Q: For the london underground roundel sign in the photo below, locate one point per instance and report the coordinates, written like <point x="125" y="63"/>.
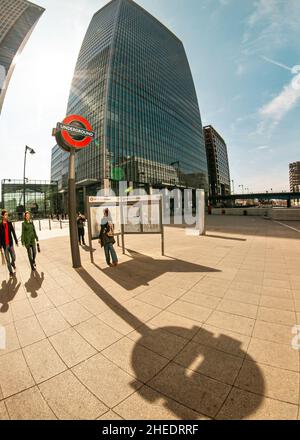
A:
<point x="74" y="132"/>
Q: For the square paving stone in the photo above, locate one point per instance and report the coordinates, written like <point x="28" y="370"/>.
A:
<point x="157" y="299"/>
<point x="148" y="404"/>
<point x="245" y="287"/>
<point x="108" y="382"/>
<point x="93" y="304"/>
<point x="41" y="303"/>
<point x="69" y="399"/>
<point x="198" y="298"/>
<point x="120" y="320"/>
<point x="141" y="310"/>
<point x="169" y="289"/>
<point x="191" y="389"/>
<point x="71" y="347"/>
<point x="277" y="303"/>
<point x="98" y="334"/>
<point x="14" y="374"/>
<point x="277" y="292"/>
<point x="274" y="354"/>
<point x="224" y="340"/>
<point x="59" y="297"/>
<point x="176" y="324"/>
<point x="242" y="297"/>
<point x="29" y="331"/>
<point x="277" y="316"/>
<point x="272" y="382"/>
<point x="238" y="308"/>
<point x="190" y="311"/>
<point x="43" y="360"/>
<point x="238" y="324"/>
<point x="135" y="359"/>
<point x="163" y="341"/>
<point x="29" y="405"/>
<point x="244" y="405"/>
<point x="21" y="309"/>
<point x="210" y="362"/>
<point x="52" y="322"/>
<point x="74" y="313"/>
<point x="270" y="331"/>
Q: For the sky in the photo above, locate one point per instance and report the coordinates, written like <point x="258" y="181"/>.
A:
<point x="245" y="60"/>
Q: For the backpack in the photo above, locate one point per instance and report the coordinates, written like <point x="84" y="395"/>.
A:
<point x="110" y="229"/>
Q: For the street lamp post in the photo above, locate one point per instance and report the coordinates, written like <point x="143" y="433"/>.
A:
<point x="31" y="151"/>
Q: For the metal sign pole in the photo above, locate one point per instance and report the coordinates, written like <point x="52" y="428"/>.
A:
<point x="66" y="135"/>
<point x="72" y="213"/>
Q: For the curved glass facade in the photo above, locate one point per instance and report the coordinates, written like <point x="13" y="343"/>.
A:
<point x="17" y="20"/>
<point x="133" y="83"/>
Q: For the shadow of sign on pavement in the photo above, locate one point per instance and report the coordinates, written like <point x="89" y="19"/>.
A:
<point x="197" y="371"/>
<point x="141" y="269"/>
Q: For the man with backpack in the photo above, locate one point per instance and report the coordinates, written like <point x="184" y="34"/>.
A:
<point x="106" y="238"/>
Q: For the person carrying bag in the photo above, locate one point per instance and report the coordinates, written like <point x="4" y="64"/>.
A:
<point x="106" y="239"/>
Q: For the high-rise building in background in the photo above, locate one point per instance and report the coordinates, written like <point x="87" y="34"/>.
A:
<point x="217" y="161"/>
<point x="295" y="176"/>
<point x="133" y="83"/>
<point x="17" y="21"/>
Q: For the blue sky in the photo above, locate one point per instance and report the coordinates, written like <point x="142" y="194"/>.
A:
<point x="245" y="60"/>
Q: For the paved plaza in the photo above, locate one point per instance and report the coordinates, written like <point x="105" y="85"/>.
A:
<point x="202" y="333"/>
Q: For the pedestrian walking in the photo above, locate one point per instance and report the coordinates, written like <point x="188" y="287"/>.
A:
<point x="80" y="228"/>
<point x="29" y="239"/>
<point x="7" y="235"/>
<point x="106" y="238"/>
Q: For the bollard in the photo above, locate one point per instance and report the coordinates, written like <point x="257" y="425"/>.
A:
<point x="60" y="224"/>
<point x="40" y="226"/>
<point x="49" y="224"/>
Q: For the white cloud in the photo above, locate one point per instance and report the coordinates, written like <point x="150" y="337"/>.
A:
<point x="286" y="100"/>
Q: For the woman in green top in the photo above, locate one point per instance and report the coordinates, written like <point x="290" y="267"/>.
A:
<point x="29" y="239"/>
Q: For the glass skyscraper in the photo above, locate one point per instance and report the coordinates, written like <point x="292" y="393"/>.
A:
<point x="17" y="21"/>
<point x="217" y="162"/>
<point x="133" y="83"/>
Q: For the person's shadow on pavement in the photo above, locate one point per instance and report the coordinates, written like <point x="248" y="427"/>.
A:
<point x="7" y="293"/>
<point x="34" y="283"/>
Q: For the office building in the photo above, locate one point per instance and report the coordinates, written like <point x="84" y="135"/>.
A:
<point x="217" y="162"/>
<point x="133" y="83"/>
<point x="17" y="21"/>
<point x="295" y="176"/>
<point x="41" y="197"/>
